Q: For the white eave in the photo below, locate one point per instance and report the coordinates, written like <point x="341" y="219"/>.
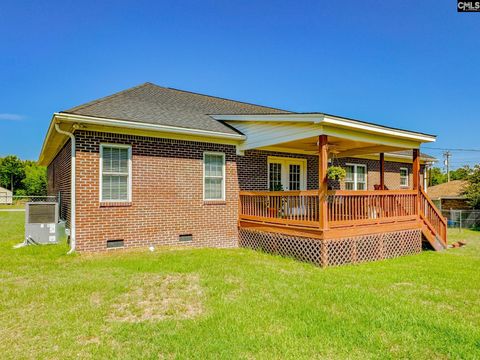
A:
<point x="335" y="121"/>
<point x="82" y="119"/>
<point x="79" y="120"/>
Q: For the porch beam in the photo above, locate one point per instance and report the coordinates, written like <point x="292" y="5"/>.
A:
<point x="382" y="171"/>
<point x="367" y="150"/>
<point x="323" y="180"/>
<point x="416" y="169"/>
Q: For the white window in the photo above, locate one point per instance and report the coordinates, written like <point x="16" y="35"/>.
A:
<point x="356" y="177"/>
<point x="115" y="172"/>
<point x="286" y="173"/>
<point x="213" y="176"/>
<point x="403" y="177"/>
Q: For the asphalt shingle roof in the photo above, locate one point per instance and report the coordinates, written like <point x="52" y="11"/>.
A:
<point x="153" y="104"/>
<point x="452" y="188"/>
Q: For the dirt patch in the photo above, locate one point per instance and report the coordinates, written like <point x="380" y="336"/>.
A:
<point x="88" y="340"/>
<point x="236" y="285"/>
<point x="160" y="297"/>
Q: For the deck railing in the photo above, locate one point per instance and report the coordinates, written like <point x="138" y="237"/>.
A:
<point x="302" y="208"/>
<point x="433" y="216"/>
<point x="358" y="207"/>
<point x="281" y="207"/>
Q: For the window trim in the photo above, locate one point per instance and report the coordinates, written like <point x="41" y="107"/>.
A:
<point x="284" y="175"/>
<point x="224" y="180"/>
<point x="355" y="182"/>
<point x="129" y="182"/>
<point x="408" y="177"/>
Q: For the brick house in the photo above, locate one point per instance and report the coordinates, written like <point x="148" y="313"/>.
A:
<point x="449" y="195"/>
<point x="159" y="166"/>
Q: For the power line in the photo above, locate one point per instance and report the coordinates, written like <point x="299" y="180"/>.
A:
<point x="446" y="149"/>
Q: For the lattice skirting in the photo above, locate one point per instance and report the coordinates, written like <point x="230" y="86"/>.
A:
<point x="333" y="252"/>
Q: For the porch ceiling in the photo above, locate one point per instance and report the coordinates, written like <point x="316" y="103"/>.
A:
<point x="340" y="147"/>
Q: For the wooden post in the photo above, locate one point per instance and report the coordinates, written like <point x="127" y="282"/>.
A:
<point x="382" y="171"/>
<point x="416" y="169"/>
<point x="322" y="180"/>
<point x="416" y="176"/>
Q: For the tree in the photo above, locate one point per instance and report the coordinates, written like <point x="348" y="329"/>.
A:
<point x="12" y="169"/>
<point x="436" y="176"/>
<point x="35" y="182"/>
<point x="472" y="191"/>
<point x="461" y="173"/>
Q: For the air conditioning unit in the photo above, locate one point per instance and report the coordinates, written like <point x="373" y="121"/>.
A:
<point x="41" y="223"/>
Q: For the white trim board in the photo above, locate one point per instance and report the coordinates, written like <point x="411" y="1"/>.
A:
<point x="224" y="174"/>
<point x="130" y="172"/>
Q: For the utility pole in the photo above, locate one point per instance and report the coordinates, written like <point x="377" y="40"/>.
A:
<point x="447" y="155"/>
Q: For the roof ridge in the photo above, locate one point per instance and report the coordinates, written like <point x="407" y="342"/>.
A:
<point x="108" y="97"/>
<point x="222" y="98"/>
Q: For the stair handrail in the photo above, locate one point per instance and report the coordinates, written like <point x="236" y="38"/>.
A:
<point x="442" y="231"/>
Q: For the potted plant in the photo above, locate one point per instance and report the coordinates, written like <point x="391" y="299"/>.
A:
<point x="336" y="173"/>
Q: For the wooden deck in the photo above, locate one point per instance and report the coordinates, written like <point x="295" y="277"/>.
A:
<point x="348" y="213"/>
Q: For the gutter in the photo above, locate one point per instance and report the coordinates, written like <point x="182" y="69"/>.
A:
<point x="145" y="126"/>
<point x="72" y="188"/>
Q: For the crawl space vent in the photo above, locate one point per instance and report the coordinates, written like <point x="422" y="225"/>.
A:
<point x="114" y="244"/>
<point x="185" y="237"/>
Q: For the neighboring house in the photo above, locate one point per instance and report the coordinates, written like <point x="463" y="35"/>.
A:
<point x="159" y="166"/>
<point x="449" y="195"/>
<point x="5" y="196"/>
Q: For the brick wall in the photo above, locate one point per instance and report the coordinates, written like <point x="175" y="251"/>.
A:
<point x="455" y="204"/>
<point x="253" y="171"/>
<point x="59" y="176"/>
<point x="167" y="191"/>
<point x="167" y="195"/>
<point x="392" y="173"/>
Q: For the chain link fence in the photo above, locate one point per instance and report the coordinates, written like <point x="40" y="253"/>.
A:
<point x="462" y="219"/>
<point x="9" y="202"/>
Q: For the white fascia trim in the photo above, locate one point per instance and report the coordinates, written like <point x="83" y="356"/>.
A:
<point x="330" y="120"/>
<point x="308" y="118"/>
<point x="153" y="127"/>
<point x="401" y="156"/>
<point x="327" y="120"/>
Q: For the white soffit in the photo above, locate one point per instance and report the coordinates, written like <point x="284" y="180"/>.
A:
<point x="334" y="121"/>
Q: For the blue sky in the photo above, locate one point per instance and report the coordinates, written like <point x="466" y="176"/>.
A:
<point x="409" y="64"/>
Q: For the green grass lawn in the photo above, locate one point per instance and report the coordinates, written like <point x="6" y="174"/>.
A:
<point x="234" y="304"/>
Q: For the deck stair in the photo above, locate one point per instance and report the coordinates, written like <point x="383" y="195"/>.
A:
<point x="434" y="225"/>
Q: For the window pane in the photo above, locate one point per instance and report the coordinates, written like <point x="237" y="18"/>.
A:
<point x="214" y="177"/>
<point x="361" y="174"/>
<point x="107" y="159"/>
<point x="213" y="165"/>
<point x="294" y="177"/>
<point x="213" y="189"/>
<point x="115" y="160"/>
<point x="115" y="187"/>
<point x="275" y="181"/>
<point x="350" y="169"/>
<point x="349" y="185"/>
<point x="123" y="161"/>
<point x="360" y="186"/>
<point x="403" y="177"/>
